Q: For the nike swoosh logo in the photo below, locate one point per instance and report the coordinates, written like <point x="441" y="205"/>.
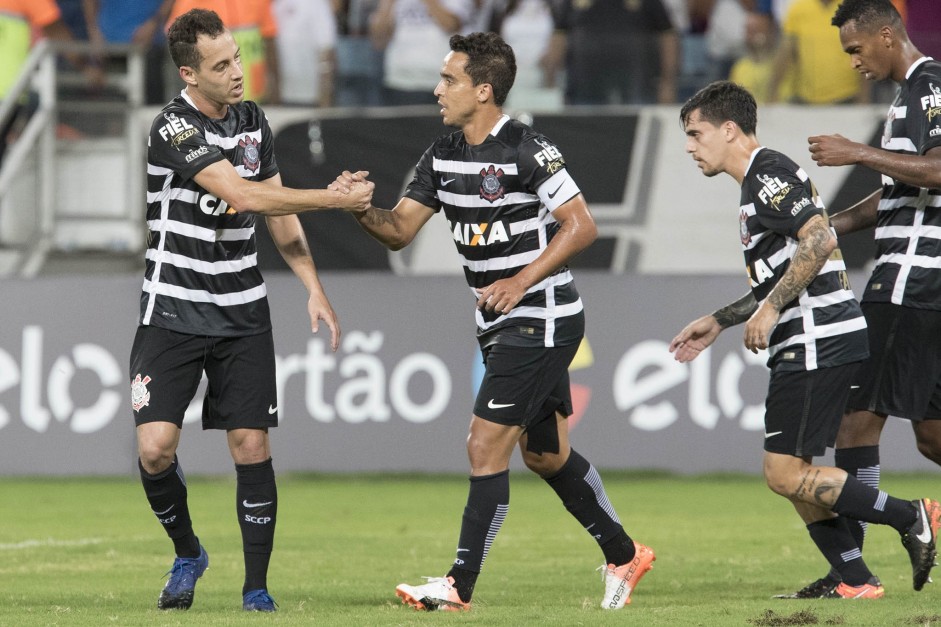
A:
<point x="163" y="512"/>
<point x="445" y="182"/>
<point x="249" y="505"/>
<point x="459" y="550"/>
<point x="772" y="434"/>
<point x="552" y="194"/>
<point x="493" y="405"/>
<point x="854" y="387"/>
<point x="925" y="536"/>
<point x="272" y="409"/>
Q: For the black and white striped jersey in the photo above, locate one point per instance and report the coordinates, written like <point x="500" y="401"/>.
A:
<point x="202" y="276"/>
<point x="908" y="228"/>
<point x="824" y="326"/>
<point x="498" y="198"/>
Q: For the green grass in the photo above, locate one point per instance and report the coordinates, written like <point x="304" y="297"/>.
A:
<point x="89" y="552"/>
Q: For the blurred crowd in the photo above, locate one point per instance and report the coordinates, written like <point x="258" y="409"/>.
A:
<point x="569" y="52"/>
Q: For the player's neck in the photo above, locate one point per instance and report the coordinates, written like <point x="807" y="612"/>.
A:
<point x="478" y="128"/>
<point x="907" y="57"/>
<point x="739" y="160"/>
<point x="209" y="108"/>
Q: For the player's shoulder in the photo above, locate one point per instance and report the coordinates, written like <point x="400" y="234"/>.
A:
<point x="925" y="79"/>
<point x="768" y="161"/>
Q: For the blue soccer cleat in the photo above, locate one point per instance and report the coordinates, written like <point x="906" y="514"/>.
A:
<point x="258" y="601"/>
<point x="178" y="593"/>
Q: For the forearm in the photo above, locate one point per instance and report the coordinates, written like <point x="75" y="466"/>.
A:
<point x="383" y="226"/>
<point x="860" y="216"/>
<point x="736" y="312"/>
<point x="917" y="170"/>
<point x="289" y="238"/>
<point x="812" y="253"/>
<point x="272" y="200"/>
<point x="571" y="239"/>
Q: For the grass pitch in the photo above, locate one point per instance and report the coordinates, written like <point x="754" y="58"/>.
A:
<point x="89" y="552"/>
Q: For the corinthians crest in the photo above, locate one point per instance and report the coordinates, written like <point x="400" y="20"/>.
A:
<point x="491" y="188"/>
<point x="140" y="396"/>
<point x="251" y="158"/>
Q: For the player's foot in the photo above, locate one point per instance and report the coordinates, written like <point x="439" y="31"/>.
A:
<point x="872" y="589"/>
<point x="177" y="594"/>
<point x="920" y="539"/>
<point x="438" y="594"/>
<point x="620" y="581"/>
<point x="819" y="589"/>
<point x="258" y="601"/>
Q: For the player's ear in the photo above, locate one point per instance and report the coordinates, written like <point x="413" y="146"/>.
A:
<point x="188" y="75"/>
<point x="484" y="93"/>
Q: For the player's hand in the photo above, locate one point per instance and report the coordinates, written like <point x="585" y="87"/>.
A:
<point x="359" y="197"/>
<point x="758" y="328"/>
<point x="344" y="182"/>
<point x="695" y="337"/>
<point x="318" y="307"/>
<point x="833" y="150"/>
<point x="502" y="296"/>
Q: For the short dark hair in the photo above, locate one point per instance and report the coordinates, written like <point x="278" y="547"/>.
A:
<point x="722" y="101"/>
<point x="489" y="60"/>
<point x="181" y="38"/>
<point x="869" y="15"/>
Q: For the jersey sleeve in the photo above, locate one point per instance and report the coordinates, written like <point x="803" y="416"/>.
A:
<point x="783" y="203"/>
<point x="422" y="187"/>
<point x="542" y="170"/>
<point x="925" y="102"/>
<point x="269" y="165"/>
<point x="177" y="142"/>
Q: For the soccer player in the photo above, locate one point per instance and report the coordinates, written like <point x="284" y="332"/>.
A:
<point x="800" y="308"/>
<point x="902" y="301"/>
<point x="210" y="170"/>
<point x="517" y="218"/>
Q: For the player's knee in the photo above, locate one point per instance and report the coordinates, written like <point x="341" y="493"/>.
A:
<point x="778" y="482"/>
<point x="542" y="465"/>
<point x="930" y="448"/>
<point x="154" y="458"/>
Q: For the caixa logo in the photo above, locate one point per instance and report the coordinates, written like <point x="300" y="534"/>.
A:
<point x="647" y="377"/>
<point x="30" y="374"/>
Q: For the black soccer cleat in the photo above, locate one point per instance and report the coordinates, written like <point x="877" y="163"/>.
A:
<point x="920" y="540"/>
<point x="823" y="588"/>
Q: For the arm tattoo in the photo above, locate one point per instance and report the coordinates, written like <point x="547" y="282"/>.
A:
<point x="373" y="217"/>
<point x="813" y="250"/>
<point x="737" y="312"/>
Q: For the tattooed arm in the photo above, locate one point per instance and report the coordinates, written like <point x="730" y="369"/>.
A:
<point x="699" y="334"/>
<point x="393" y="229"/>
<point x="737" y="312"/>
<point x="815" y="243"/>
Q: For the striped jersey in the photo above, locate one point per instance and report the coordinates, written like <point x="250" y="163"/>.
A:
<point x="908" y="225"/>
<point x="824" y="326"/>
<point x="202" y="274"/>
<point x="498" y="198"/>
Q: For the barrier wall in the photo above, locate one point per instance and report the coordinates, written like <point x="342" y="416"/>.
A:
<point x="397" y="396"/>
<point x="656" y="213"/>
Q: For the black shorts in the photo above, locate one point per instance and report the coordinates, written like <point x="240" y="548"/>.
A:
<point x="526" y="386"/>
<point x="166" y="368"/>
<point x="902" y="376"/>
<point x="804" y="408"/>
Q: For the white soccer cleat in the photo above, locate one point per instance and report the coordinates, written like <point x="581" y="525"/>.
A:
<point x="620" y="581"/>
<point x="438" y="594"/>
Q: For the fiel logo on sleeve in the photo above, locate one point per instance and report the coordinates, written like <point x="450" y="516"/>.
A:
<point x="931" y="103"/>
<point x="176" y="130"/>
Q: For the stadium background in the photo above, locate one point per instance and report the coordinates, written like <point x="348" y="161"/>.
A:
<point x="397" y="394"/>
